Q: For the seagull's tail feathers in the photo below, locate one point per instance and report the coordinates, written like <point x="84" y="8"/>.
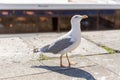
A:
<point x="43" y="49"/>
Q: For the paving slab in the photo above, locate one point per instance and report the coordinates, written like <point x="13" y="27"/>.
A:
<point x="11" y="70"/>
<point x="86" y="73"/>
<point x="110" y="38"/>
<point x="88" y="48"/>
<point x="110" y="61"/>
<point x="14" y="49"/>
<point x="101" y="73"/>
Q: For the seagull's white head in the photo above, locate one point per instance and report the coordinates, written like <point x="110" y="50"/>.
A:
<point x="78" y="18"/>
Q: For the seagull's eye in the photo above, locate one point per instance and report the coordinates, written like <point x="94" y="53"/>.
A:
<point x="76" y="16"/>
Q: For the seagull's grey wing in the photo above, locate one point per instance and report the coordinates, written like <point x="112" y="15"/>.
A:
<point x="58" y="46"/>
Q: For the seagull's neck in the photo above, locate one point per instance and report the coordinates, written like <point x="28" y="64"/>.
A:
<point x="76" y="28"/>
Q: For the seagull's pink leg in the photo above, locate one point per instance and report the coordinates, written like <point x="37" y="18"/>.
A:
<point x="70" y="63"/>
<point x="62" y="65"/>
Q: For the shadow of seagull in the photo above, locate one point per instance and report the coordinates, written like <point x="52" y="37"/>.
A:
<point x="72" y="72"/>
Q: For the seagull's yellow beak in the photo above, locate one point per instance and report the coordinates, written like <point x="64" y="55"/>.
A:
<point x="84" y="16"/>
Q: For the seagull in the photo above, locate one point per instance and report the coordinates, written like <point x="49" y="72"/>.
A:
<point x="65" y="43"/>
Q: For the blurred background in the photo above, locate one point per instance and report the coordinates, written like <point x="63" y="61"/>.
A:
<point x="102" y="16"/>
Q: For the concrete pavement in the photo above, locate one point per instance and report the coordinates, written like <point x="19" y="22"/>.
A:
<point x="110" y="38"/>
<point x="17" y="61"/>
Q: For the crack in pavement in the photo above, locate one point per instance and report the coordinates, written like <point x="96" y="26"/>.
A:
<point x="116" y="51"/>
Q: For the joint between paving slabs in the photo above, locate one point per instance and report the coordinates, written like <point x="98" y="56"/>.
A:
<point x="106" y="48"/>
